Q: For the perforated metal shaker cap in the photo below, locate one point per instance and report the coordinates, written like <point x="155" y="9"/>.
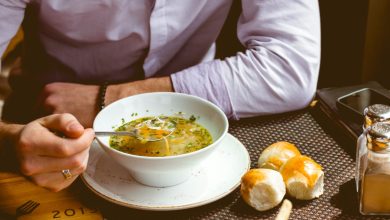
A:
<point x="380" y="130"/>
<point x="378" y="137"/>
<point x="376" y="113"/>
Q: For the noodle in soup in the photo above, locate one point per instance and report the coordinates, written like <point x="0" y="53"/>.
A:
<point x="187" y="136"/>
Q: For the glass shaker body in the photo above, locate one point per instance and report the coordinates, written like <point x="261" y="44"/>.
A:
<point x="361" y="150"/>
<point x="374" y="171"/>
<point x="372" y="114"/>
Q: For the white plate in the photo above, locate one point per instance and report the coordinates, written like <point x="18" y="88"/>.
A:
<point x="219" y="175"/>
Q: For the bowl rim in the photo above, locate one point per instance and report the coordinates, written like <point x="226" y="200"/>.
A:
<point x="202" y="100"/>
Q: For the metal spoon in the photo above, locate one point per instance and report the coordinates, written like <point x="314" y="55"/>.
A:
<point x="133" y="133"/>
<point x="168" y="127"/>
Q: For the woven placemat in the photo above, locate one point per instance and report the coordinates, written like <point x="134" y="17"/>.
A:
<point x="339" y="200"/>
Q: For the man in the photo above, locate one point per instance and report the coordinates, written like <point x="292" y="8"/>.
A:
<point x="75" y="47"/>
<point x="49" y="160"/>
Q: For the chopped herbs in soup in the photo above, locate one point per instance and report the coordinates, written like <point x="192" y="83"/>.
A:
<point x="177" y="136"/>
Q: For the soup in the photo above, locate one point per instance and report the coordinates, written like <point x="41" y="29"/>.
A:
<point x="176" y="135"/>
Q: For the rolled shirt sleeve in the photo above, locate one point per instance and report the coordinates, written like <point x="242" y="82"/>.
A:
<point x="277" y="73"/>
<point x="11" y="16"/>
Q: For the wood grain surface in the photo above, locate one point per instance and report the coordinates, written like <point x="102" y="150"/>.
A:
<point x="15" y="190"/>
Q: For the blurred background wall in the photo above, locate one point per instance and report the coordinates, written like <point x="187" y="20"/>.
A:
<point x="343" y="24"/>
<point x="376" y="57"/>
<point x="355" y="42"/>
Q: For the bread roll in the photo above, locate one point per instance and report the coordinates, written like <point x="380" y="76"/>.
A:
<point x="303" y="177"/>
<point x="274" y="156"/>
<point x="262" y="189"/>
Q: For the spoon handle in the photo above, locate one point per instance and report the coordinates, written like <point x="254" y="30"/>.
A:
<point x="117" y="133"/>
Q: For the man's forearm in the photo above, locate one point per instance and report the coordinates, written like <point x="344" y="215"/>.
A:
<point x="118" y="91"/>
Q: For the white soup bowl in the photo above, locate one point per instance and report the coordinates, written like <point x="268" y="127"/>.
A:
<point x="168" y="170"/>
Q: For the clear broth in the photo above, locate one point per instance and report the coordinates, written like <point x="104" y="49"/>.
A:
<point x="188" y="136"/>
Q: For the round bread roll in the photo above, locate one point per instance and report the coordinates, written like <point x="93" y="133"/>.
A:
<point x="274" y="156"/>
<point x="303" y="177"/>
<point x="262" y="189"/>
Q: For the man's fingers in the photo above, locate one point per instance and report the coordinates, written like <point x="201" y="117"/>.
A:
<point x="65" y="147"/>
<point x="66" y="124"/>
<point x="54" y="181"/>
<point x="42" y="164"/>
<point x="48" y="144"/>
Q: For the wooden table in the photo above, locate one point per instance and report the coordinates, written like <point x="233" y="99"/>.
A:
<point x="15" y="190"/>
<point x="311" y="134"/>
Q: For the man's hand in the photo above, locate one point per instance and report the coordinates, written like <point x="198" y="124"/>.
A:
<point x="77" y="99"/>
<point x="42" y="155"/>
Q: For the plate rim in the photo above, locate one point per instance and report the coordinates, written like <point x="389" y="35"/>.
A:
<point x="171" y="208"/>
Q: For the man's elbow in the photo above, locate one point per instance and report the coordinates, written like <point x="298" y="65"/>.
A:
<point x="299" y="97"/>
<point x="303" y="83"/>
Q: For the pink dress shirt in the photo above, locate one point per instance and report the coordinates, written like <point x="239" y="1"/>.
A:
<point x="114" y="40"/>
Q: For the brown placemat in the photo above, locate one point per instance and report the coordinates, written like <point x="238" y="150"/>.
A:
<point x="338" y="202"/>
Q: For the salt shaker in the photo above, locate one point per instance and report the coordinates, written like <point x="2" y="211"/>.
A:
<point x="372" y="114"/>
<point x="374" y="174"/>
